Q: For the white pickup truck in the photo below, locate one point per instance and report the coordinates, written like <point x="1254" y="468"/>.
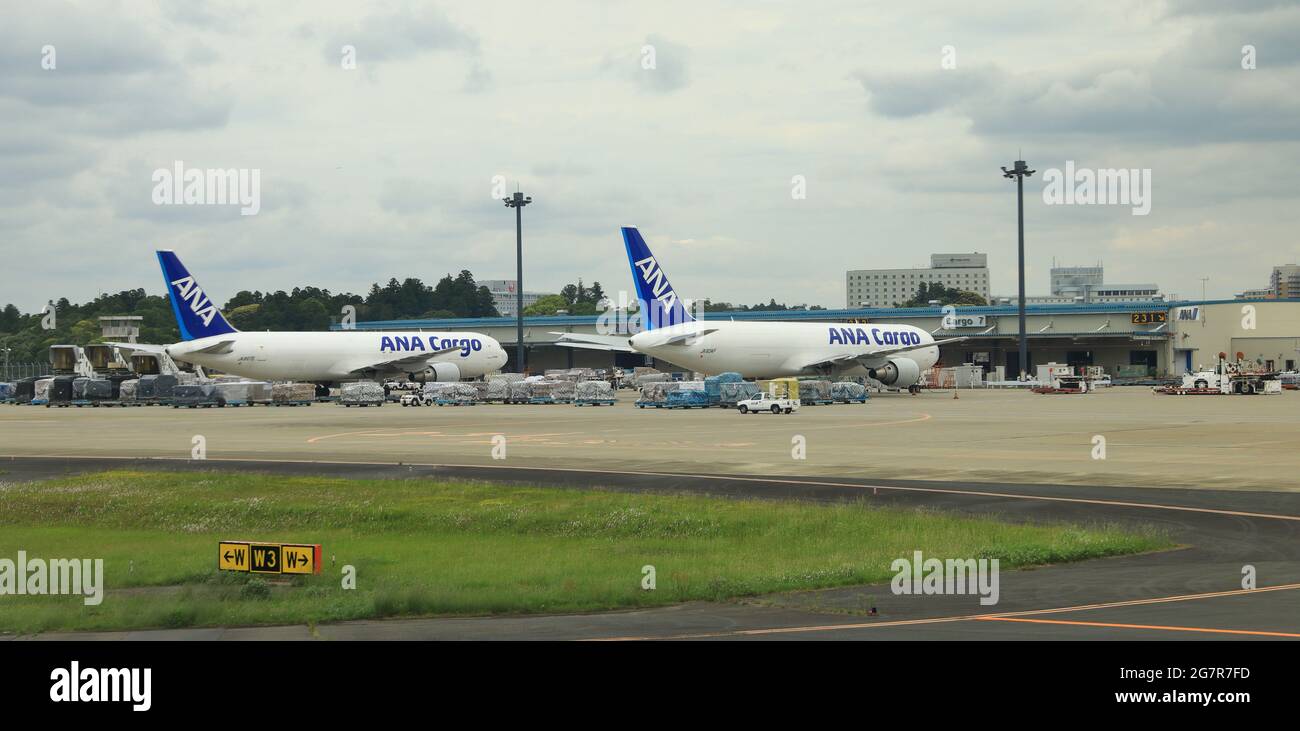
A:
<point x="767" y="402"/>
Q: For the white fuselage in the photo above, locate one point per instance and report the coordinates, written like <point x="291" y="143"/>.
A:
<point x="779" y="349"/>
<point x="339" y="355"/>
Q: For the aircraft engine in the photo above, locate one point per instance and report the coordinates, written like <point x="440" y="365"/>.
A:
<point x="900" y="373"/>
<point x="437" y="372"/>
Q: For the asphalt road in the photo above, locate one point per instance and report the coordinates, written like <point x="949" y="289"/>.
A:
<point x="1219" y="443"/>
<point x="1194" y="592"/>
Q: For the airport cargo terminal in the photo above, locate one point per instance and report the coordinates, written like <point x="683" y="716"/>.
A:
<point x="1126" y="339"/>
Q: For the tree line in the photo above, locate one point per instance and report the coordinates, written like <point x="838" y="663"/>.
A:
<point x="926" y="293"/>
<point x="302" y="308"/>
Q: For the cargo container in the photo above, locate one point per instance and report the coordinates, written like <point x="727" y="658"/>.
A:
<point x="196" y="395"/>
<point x="60" y="391"/>
<point x="360" y="393"/>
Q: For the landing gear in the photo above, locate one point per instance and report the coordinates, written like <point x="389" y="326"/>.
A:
<point x="914" y="390"/>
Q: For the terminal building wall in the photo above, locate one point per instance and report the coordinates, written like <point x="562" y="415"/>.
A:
<point x="1264" y="331"/>
<point x="1111" y="336"/>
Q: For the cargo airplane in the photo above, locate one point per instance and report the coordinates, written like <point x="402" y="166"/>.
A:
<point x="208" y="340"/>
<point x="894" y="355"/>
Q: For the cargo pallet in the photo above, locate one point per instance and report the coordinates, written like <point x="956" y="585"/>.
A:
<point x="451" y="402"/>
<point x="245" y="402"/>
<point x="198" y="406"/>
<point x="862" y="400"/>
<point x="308" y="403"/>
<point x="1049" y="389"/>
<point x="545" y="400"/>
<point x="593" y="402"/>
<point x="816" y="402"/>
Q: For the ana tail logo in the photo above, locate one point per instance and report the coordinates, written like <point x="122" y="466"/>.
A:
<point x="653" y="278"/>
<point x="188" y="291"/>
<point x="660" y="306"/>
<point x="199" y="316"/>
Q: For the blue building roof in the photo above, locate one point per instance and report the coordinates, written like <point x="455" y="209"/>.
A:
<point x="805" y="315"/>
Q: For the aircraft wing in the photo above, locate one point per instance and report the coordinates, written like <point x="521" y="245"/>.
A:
<point x="410" y="361"/>
<point x="218" y="348"/>
<point x="615" y="343"/>
<point x="687" y="337"/>
<point x="137" y="347"/>
<point x="879" y="357"/>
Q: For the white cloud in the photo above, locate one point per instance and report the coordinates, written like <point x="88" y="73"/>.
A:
<point x="387" y="171"/>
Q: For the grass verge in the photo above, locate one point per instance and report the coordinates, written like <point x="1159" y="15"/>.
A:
<point x="424" y="547"/>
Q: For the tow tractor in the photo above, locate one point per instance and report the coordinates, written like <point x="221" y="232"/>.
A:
<point x="767" y="402"/>
<point x="1226" y="378"/>
<point x="415" y="398"/>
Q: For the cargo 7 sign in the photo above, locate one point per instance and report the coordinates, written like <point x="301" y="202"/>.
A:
<point x="269" y="558"/>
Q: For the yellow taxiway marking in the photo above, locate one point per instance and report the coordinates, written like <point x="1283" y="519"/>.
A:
<point x="822" y="483"/>
<point x="1167" y="628"/>
<point x="959" y="618"/>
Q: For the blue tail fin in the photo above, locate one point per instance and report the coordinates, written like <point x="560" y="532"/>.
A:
<point x="196" y="315"/>
<point x="660" y="306"/>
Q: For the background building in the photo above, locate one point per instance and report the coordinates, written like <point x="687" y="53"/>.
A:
<point x="1285" y="281"/>
<point x="1266" y="293"/>
<point x="1127" y="339"/>
<point x="884" y="287"/>
<point x="503" y="295"/>
<point x="121" y="327"/>
<point x="1132" y="340"/>
<point x="1073" y="281"/>
<point x="1086" y="285"/>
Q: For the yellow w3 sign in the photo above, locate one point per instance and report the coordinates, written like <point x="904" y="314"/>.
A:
<point x="269" y="558"/>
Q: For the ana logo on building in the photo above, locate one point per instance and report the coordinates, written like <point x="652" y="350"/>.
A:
<point x="187" y="290"/>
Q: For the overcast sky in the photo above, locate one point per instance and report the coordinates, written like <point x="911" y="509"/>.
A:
<point x="387" y="169"/>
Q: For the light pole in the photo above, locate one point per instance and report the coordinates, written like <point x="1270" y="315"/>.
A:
<point x="1020" y="172"/>
<point x="517" y="202"/>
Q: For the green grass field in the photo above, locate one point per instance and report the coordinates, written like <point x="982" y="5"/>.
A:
<point x="423" y="547"/>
